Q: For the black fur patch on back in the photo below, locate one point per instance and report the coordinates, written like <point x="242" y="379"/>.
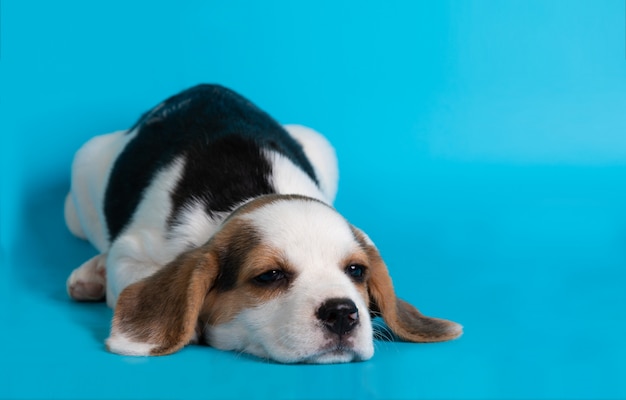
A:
<point x="219" y="134"/>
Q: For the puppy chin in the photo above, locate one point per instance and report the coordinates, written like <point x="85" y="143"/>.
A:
<point x="329" y="354"/>
<point x="337" y="356"/>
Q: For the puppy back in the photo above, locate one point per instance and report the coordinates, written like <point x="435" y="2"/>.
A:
<point x="220" y="137"/>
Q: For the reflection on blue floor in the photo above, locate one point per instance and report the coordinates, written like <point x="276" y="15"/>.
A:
<point x="482" y="146"/>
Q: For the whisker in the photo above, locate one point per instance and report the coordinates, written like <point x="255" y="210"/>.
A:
<point x="382" y="331"/>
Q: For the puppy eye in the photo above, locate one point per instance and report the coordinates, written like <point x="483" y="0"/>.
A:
<point x="270" y="277"/>
<point x="356" y="272"/>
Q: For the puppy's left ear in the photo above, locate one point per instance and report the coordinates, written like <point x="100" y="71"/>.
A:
<point x="401" y="317"/>
<point x="158" y="315"/>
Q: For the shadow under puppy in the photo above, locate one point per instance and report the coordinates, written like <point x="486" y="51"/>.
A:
<point x="214" y="225"/>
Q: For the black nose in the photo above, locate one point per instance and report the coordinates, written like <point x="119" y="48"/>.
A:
<point x="339" y="316"/>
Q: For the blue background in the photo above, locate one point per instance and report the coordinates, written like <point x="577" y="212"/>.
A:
<point x="482" y="145"/>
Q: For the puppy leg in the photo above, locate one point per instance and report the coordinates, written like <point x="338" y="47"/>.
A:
<point x="88" y="282"/>
<point x="321" y="154"/>
<point x="71" y="218"/>
<point x="90" y="172"/>
<point x="132" y="257"/>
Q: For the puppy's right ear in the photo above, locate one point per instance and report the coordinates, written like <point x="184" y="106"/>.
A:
<point x="401" y="317"/>
<point x="158" y="315"/>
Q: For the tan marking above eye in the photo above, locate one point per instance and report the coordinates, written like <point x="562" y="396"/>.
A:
<point x="261" y="260"/>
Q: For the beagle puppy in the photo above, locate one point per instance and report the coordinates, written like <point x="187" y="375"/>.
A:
<point x="214" y="224"/>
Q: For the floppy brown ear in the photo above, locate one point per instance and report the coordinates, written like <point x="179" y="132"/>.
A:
<point x="401" y="317"/>
<point x="158" y="315"/>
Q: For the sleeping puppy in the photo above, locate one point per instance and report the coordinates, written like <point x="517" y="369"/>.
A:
<point x="214" y="225"/>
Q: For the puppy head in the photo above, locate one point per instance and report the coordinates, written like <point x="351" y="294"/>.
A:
<point x="286" y="278"/>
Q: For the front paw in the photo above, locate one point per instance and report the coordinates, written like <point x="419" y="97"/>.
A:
<point x="88" y="282"/>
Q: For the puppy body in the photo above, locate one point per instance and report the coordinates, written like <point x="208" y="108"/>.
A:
<point x="143" y="204"/>
<point x="214" y="224"/>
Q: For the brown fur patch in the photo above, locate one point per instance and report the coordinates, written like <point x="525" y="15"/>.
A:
<point x="221" y="307"/>
<point x="162" y="309"/>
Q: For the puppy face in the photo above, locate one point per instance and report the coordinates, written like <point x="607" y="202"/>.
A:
<point x="300" y="291"/>
<point x="286" y="278"/>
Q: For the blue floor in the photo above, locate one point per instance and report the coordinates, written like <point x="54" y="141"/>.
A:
<point x="482" y="145"/>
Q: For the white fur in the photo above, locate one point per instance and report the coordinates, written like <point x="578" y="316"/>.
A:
<point x="92" y="165"/>
<point x="316" y="241"/>
<point x="287" y="178"/>
<point x="120" y="344"/>
<point x="321" y="154"/>
<point x="194" y="226"/>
